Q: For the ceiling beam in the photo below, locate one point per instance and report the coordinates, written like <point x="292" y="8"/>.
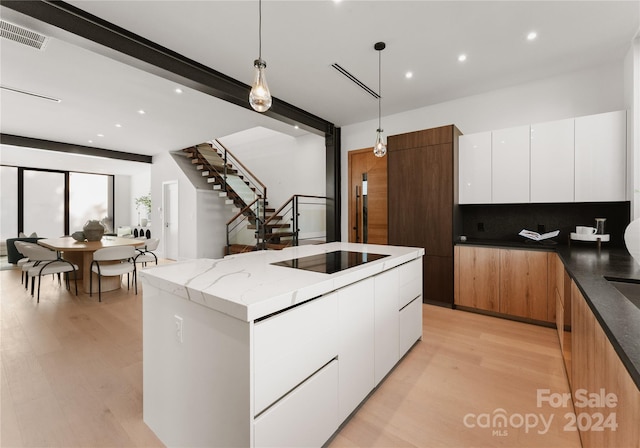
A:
<point x="28" y="142"/>
<point x="132" y="49"/>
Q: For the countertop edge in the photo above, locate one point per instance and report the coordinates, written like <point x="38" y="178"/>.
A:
<point x="185" y="278"/>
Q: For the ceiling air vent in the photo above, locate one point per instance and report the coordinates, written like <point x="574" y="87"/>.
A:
<point x="343" y="71"/>
<point x="22" y="35"/>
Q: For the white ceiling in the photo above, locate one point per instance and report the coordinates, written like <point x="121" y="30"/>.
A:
<point x="301" y="39"/>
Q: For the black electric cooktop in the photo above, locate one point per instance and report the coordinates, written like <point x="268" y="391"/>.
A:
<point x="330" y="262"/>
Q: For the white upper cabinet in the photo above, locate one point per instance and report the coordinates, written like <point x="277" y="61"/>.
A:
<point x="552" y="161"/>
<point x="510" y="165"/>
<point x="474" y="170"/>
<point x="601" y="155"/>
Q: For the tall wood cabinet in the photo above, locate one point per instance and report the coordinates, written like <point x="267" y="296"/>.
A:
<point x="422" y="186"/>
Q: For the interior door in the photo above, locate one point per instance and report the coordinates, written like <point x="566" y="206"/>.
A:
<point x="170" y="219"/>
<point x="364" y="162"/>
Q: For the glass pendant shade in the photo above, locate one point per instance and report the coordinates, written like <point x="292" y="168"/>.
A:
<point x="380" y="148"/>
<point x="260" y="97"/>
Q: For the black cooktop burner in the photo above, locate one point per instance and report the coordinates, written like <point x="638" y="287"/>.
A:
<point x="330" y="262"/>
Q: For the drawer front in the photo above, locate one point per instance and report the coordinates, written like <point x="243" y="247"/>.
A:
<point x="307" y="417"/>
<point x="410" y="325"/>
<point x="291" y="346"/>
<point x="410" y="282"/>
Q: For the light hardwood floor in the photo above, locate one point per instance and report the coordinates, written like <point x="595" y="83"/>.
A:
<point x="71" y="376"/>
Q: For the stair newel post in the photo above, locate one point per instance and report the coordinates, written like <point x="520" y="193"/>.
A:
<point x="224" y="177"/>
<point x="294" y="216"/>
<point x="228" y="241"/>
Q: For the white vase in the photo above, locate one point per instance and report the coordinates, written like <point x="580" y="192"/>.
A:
<point x="632" y="239"/>
<point x="143" y="222"/>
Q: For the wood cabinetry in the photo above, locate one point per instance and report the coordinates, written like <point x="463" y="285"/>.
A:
<point x="596" y="367"/>
<point x="422" y="184"/>
<point x="601" y="157"/>
<point x="478" y="278"/>
<point x="523" y="283"/>
<point x="559" y="294"/>
<point x="474" y="183"/>
<point x="511" y="282"/>
<point x="552" y="161"/>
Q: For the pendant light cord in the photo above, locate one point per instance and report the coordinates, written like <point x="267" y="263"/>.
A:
<point x="379" y="91"/>
<point x="260" y="29"/>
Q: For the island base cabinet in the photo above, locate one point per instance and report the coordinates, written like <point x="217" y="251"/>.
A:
<point x="410" y="325"/>
<point x="290" y="346"/>
<point x="386" y="323"/>
<point x="196" y="392"/>
<point x="306" y="417"/>
<point x="356" y="351"/>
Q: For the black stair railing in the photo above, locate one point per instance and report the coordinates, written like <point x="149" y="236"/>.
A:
<point x="300" y="220"/>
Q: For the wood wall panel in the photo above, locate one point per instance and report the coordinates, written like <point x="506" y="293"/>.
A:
<point x="422" y="172"/>
<point x="438" y="279"/>
<point x="420" y="139"/>
<point x="406" y="218"/>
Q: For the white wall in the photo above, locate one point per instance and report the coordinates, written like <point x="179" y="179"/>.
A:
<point x="286" y="165"/>
<point x="202" y="215"/>
<point x="632" y="104"/>
<point x="212" y="217"/>
<point x="599" y="89"/>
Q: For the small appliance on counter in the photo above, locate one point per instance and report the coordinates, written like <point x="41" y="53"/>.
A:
<point x="595" y="234"/>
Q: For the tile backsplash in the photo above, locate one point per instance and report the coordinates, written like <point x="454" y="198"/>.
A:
<point x="505" y="221"/>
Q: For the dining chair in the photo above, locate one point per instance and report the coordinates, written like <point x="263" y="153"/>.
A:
<point x="45" y="262"/>
<point x="24" y="263"/>
<point x="146" y="254"/>
<point x="113" y="261"/>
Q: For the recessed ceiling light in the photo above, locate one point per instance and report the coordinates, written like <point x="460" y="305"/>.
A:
<point x="178" y="90"/>
<point x="100" y="135"/>
<point x="462" y="57"/>
<point x="118" y="125"/>
<point x="532" y="35"/>
<point x="90" y="141"/>
<point x="296" y="127"/>
<point x="408" y="75"/>
<point x="141" y="112"/>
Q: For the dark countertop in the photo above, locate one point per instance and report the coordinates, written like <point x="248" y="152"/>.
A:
<point x="618" y="316"/>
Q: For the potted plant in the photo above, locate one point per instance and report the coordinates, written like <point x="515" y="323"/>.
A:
<point x="144" y="203"/>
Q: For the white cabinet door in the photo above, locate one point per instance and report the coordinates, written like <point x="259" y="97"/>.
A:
<point x="410" y="325"/>
<point x="510" y="165"/>
<point x="601" y="157"/>
<point x="552" y="161"/>
<point x="474" y="168"/>
<point x="356" y="351"/>
<point x="410" y="282"/>
<point x="304" y="418"/>
<point x="386" y="323"/>
<point x="291" y="345"/>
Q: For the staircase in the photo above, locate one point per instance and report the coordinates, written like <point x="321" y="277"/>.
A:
<point x="255" y="226"/>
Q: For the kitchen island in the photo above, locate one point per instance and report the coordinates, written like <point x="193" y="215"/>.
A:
<point x="274" y="348"/>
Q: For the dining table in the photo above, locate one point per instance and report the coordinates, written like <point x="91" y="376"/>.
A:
<point x="81" y="254"/>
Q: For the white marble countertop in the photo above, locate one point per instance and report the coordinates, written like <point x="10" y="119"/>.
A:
<point x="247" y="287"/>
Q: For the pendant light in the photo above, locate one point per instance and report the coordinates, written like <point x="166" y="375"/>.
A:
<point x="260" y="97"/>
<point x="380" y="148"/>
